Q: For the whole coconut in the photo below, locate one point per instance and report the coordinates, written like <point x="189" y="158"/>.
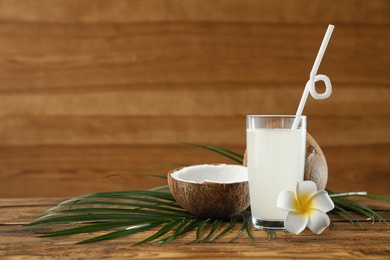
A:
<point x="316" y="168"/>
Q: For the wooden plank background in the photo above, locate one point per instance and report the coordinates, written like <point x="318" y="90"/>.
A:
<point x="90" y="89"/>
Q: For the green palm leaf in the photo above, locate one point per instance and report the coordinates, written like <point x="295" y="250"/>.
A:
<point x="164" y="230"/>
<point x="199" y="230"/>
<point x="244" y="226"/>
<point x="346" y="215"/>
<point x="123" y="213"/>
<point x="93" y="228"/>
<point x="233" y="221"/>
<point x="222" y="151"/>
<point x="214" y="226"/>
<point x="186" y="226"/>
<point x="123" y="232"/>
<point x="125" y="208"/>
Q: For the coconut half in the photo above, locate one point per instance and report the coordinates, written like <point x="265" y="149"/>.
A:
<point x="211" y="191"/>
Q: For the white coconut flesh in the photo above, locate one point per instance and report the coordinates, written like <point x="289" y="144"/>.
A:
<point x="207" y="173"/>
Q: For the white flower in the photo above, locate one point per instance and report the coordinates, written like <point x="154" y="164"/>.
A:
<point x="305" y="208"/>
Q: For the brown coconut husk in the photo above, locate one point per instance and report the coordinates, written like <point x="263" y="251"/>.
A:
<point x="210" y="199"/>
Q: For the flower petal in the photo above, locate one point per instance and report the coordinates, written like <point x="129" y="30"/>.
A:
<point x="295" y="222"/>
<point x="322" y="201"/>
<point x="287" y="200"/>
<point x="318" y="221"/>
<point x="305" y="189"/>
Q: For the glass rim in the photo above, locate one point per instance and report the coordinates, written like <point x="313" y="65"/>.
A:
<point x="277" y="116"/>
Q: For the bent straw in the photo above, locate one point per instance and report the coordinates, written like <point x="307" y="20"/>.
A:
<point x="310" y="85"/>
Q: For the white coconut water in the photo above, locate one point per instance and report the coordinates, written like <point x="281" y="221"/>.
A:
<point x="275" y="163"/>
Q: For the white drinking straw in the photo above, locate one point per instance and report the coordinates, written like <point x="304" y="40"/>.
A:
<point x="310" y="85"/>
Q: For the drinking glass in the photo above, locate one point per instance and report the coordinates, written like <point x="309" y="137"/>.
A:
<point x="276" y="162"/>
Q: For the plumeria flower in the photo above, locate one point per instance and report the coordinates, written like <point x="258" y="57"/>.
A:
<point x="306" y="207"/>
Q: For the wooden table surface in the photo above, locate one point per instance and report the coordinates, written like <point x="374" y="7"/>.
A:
<point x="94" y="88"/>
<point x="372" y="241"/>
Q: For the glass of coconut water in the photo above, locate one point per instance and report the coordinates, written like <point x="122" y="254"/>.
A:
<point x="276" y="161"/>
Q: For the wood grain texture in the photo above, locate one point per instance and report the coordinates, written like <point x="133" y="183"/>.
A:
<point x="76" y="170"/>
<point x="93" y="88"/>
<point x="346" y="242"/>
<point x="278" y="11"/>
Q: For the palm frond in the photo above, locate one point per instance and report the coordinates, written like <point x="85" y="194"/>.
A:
<point x="233" y="221"/>
<point x="164" y="230"/>
<point x="345" y="207"/>
<point x="245" y="225"/>
<point x="136" y="174"/>
<point x="123" y="213"/>
<point x="199" y="230"/>
<point x="214" y="226"/>
<point x="271" y="234"/>
<point x="222" y="151"/>
<point x="92" y="228"/>
<point x="121" y="233"/>
<point x="186" y="226"/>
<point x="130" y="212"/>
<point x="164" y="188"/>
<point x="346" y="215"/>
<point x="246" y="221"/>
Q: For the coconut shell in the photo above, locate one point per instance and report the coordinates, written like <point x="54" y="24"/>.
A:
<point x="209" y="199"/>
<point x="316" y="168"/>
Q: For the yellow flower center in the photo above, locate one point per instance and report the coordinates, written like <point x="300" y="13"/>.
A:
<point x="305" y="203"/>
